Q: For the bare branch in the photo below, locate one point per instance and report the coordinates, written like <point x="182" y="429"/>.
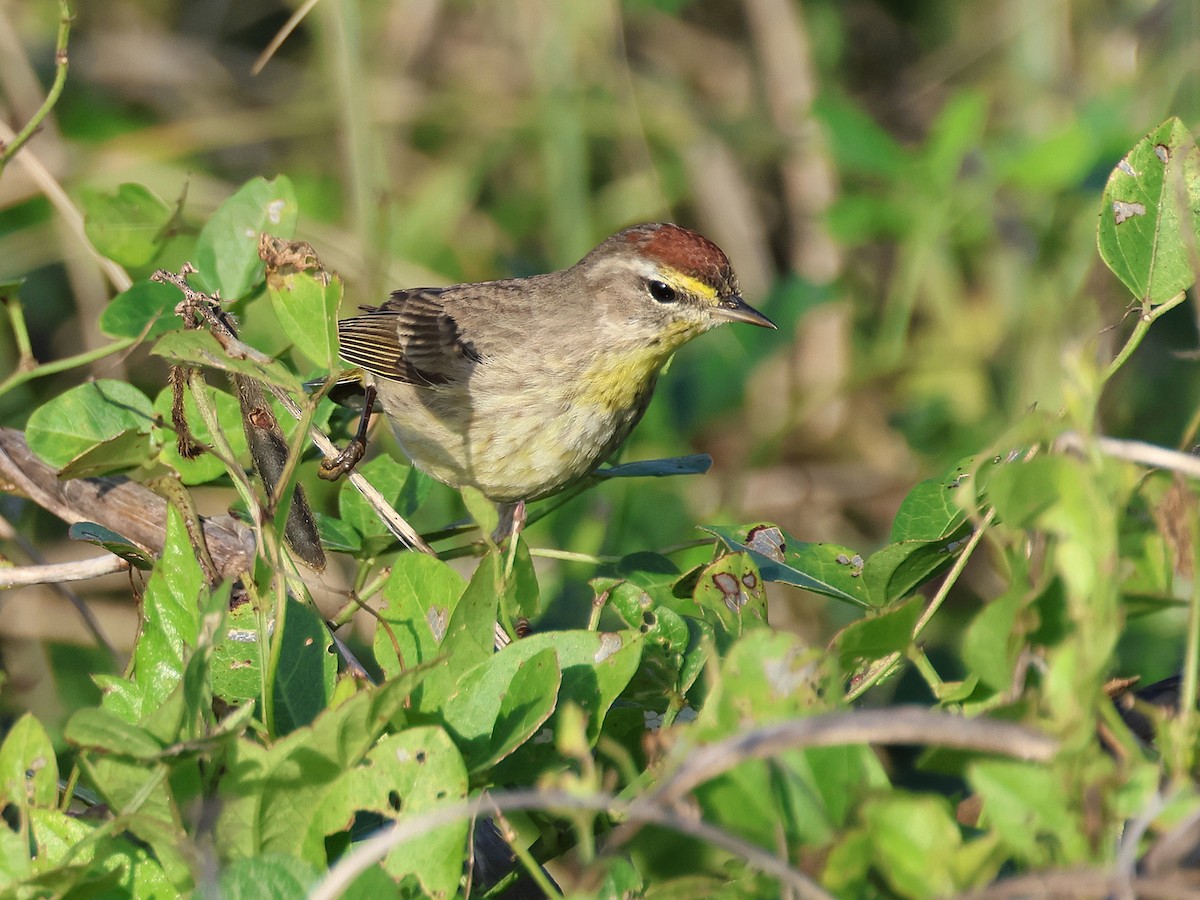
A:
<point x="55" y="573"/>
<point x="126" y="507"/>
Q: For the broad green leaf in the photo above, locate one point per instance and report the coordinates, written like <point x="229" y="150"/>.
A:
<point x="127" y="450"/>
<point x="388" y="476"/>
<point x="28" y="766"/>
<point x="1149" y="220"/>
<point x="876" y="636"/>
<point x="730" y="594"/>
<point x="893" y="572"/>
<point x="200" y="348"/>
<point x="994" y="640"/>
<point x="420" y="595"/>
<point x="821" y="568"/>
<point x="914" y="841"/>
<point x="337" y="535"/>
<point x="273" y="800"/>
<point x="526" y="705"/>
<point x="1032" y="809"/>
<point x="595" y="668"/>
<point x="126" y="226"/>
<point x="307" y="312"/>
<point x="236" y="663"/>
<point x="929" y="511"/>
<point x="766" y="676"/>
<point x="227" y="250"/>
<point x="96" y="728"/>
<point x="84" y="417"/>
<point x="405" y="774"/>
<point x="470" y="632"/>
<point x="307" y="669"/>
<point x="273" y="876"/>
<point x="101" y="865"/>
<point x="145" y="309"/>
<point x="170" y="627"/>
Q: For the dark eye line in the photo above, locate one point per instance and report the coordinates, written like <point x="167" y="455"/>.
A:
<point x="661" y="291"/>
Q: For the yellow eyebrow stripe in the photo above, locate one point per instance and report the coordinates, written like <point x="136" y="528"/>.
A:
<point x="693" y="286"/>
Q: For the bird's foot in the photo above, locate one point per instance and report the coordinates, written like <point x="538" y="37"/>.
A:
<point x="334" y="467"/>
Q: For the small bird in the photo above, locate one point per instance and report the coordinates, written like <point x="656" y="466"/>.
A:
<point x="521" y="387"/>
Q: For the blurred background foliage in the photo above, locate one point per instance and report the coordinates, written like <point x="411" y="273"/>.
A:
<point x="910" y="188"/>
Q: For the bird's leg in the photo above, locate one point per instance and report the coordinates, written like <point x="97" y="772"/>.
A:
<point x="512" y="521"/>
<point x="333" y="468"/>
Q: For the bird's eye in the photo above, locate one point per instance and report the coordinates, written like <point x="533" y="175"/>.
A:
<point x="662" y="292"/>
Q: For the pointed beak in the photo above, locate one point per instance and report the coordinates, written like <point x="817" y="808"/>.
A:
<point x="735" y="309"/>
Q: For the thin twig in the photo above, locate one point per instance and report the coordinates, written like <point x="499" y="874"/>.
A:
<point x="911" y="725"/>
<point x="1140" y="452"/>
<point x="282" y="35"/>
<point x="61" y="62"/>
<point x="376" y="848"/>
<point x="56" y="573"/>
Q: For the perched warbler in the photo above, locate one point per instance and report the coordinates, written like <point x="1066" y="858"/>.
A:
<point x="521" y="387"/>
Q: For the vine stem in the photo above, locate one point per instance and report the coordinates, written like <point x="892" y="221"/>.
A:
<point x="61" y="62"/>
<point x="1147" y="318"/>
<point x="887" y="665"/>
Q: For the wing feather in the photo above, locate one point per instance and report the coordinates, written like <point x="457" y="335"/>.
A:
<point x="414" y="338"/>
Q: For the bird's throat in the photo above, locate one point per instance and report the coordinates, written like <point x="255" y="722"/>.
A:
<point x="618" y="383"/>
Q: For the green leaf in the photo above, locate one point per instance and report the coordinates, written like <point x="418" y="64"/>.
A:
<point x="269" y="877"/>
<point x="85" y="417"/>
<point x="1148" y="223"/>
<point x="893" y="572"/>
<point x="337" y="535"/>
<point x="994" y="639"/>
<point x="420" y="595"/>
<point x="126" y="226"/>
<point x="406" y="774"/>
<point x="387" y="475"/>
<point x="170" y="628"/>
<point x="273" y="800"/>
<point x="730" y="593"/>
<point x="879" y="635"/>
<point x="929" y="511"/>
<point x="237" y="659"/>
<point x="200" y="348"/>
<point x="499" y="708"/>
<point x="119" y="545"/>
<point x="28" y="766"/>
<point x="101" y="866"/>
<point x="826" y="569"/>
<point x="127" y="450"/>
<point x="227" y="249"/>
<point x="914" y="841"/>
<point x="527" y="703"/>
<point x="307" y="669"/>
<point x="146" y="308"/>
<point x="307" y="312"/>
<point x="1031" y="808"/>
<point x="96" y="728"/>
<point x="595" y="668"/>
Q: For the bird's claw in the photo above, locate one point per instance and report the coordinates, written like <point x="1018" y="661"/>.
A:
<point x="334" y="467"/>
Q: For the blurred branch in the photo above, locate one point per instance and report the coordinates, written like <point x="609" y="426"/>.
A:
<point x="62" y="204"/>
<point x="54" y="573"/>
<point x="282" y="35"/>
<point x="13" y="144"/>
<point x="126" y="507"/>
